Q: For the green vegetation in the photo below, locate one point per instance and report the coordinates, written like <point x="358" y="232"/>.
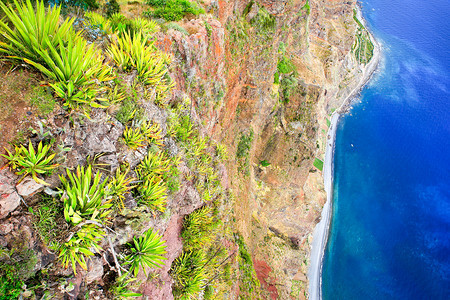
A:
<point x="264" y="21"/>
<point x="37" y="38"/>
<point x="248" y="283"/>
<point x="244" y="145"/>
<point x="173" y="10"/>
<point x="80" y="245"/>
<point x="328" y="122"/>
<point x="318" y="164"/>
<point x="288" y="86"/>
<point x="146" y="251"/>
<point x="15" y="268"/>
<point x="120" y="288"/>
<point x="30" y="161"/>
<point x="42" y="100"/>
<point x="363" y="46"/>
<point x="48" y="214"/>
<point x="133" y="138"/>
<point x="119" y="186"/>
<point x="307" y="7"/>
<point x="84" y="197"/>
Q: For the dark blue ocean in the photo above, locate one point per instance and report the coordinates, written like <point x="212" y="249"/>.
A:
<point x="390" y="231"/>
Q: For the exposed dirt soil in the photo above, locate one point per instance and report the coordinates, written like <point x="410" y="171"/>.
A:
<point x="17" y="115"/>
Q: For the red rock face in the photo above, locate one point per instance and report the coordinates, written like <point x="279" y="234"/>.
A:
<point x="263" y="272"/>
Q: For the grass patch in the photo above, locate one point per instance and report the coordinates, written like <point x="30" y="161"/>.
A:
<point x="42" y="100"/>
<point x="328" y="123"/>
<point x="318" y="164"/>
<point x="249" y="283"/>
<point x="48" y="214"/>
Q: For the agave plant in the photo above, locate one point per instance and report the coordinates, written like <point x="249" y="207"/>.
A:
<point x="29" y="161"/>
<point x="120" y="288"/>
<point x="133" y="138"/>
<point x="119" y="186"/>
<point x="188" y="273"/>
<point x="145" y="26"/>
<point x="146" y="251"/>
<point x="135" y="51"/>
<point x="79" y="246"/>
<point x="152" y="132"/>
<point x="153" y="193"/>
<point x="55" y="50"/>
<point x="85" y="197"/>
<point x="198" y="229"/>
<point x="153" y="164"/>
<point x="33" y="30"/>
<point x="74" y="67"/>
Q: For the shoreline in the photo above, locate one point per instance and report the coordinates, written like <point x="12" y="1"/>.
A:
<point x="321" y="231"/>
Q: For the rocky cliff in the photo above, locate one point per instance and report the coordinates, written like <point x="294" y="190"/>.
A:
<point x="260" y="77"/>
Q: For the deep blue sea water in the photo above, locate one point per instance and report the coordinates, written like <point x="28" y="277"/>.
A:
<point x="390" y="231"/>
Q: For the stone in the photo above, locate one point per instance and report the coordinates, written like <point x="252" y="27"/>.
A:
<point x="6" y="228"/>
<point x="28" y="187"/>
<point x="94" y="270"/>
<point x="8" y="203"/>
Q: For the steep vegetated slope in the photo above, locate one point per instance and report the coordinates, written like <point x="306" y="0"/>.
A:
<point x="173" y="148"/>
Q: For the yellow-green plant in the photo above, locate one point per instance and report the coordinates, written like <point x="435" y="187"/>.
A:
<point x="153" y="164"/>
<point x="198" y="229"/>
<point x="153" y="193"/>
<point x="188" y="274"/>
<point x="95" y="20"/>
<point x="146" y="251"/>
<point x="79" y="246"/>
<point x="145" y="26"/>
<point x="136" y="51"/>
<point x="34" y="29"/>
<point x="133" y="138"/>
<point x="30" y="161"/>
<point x="56" y="51"/>
<point x="85" y="196"/>
<point x="120" y="289"/>
<point x="222" y="152"/>
<point x="152" y="132"/>
<point x="119" y="186"/>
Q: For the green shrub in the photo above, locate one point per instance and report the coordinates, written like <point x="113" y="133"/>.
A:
<point x="40" y="40"/>
<point x="84" y="196"/>
<point x="189" y="275"/>
<point x="153" y="193"/>
<point x="135" y="52"/>
<point x="146" y="251"/>
<point x="33" y="30"/>
<point x="285" y="65"/>
<point x="30" y="161"/>
<point x="119" y="186"/>
<point x="244" y="145"/>
<point x="173" y="10"/>
<point x="199" y="229"/>
<point x="133" y="138"/>
<point x="111" y="8"/>
<point x="80" y="246"/>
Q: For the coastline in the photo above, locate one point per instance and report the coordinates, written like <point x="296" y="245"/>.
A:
<point x="321" y="231"/>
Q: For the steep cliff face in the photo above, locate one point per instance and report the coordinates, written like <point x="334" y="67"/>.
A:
<point x="260" y="77"/>
<point x="263" y="78"/>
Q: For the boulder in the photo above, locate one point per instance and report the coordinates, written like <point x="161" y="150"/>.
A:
<point x="9" y="199"/>
<point x="28" y="187"/>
